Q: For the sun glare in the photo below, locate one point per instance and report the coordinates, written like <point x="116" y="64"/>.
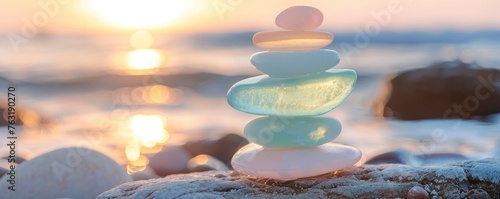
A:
<point x="141" y="13"/>
<point x="149" y="129"/>
<point x="145" y="59"/>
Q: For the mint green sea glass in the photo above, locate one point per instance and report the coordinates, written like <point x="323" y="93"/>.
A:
<point x="306" y="95"/>
<point x="292" y="132"/>
<point x="294" y="63"/>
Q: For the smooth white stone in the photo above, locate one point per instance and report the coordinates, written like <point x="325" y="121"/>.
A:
<point x="293" y="163"/>
<point x="299" y="18"/>
<point x="72" y="172"/>
<point x="294" y="63"/>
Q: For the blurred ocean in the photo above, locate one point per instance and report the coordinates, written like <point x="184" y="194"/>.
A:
<point x="88" y="95"/>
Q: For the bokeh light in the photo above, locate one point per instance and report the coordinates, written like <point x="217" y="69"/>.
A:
<point x="156" y="94"/>
<point x="29" y="118"/>
<point x="132" y="151"/>
<point x="149" y="129"/>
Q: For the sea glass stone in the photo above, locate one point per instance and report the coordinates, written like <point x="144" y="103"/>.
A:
<point x="293" y="163"/>
<point x="306" y="95"/>
<point x="292" y="40"/>
<point x="299" y="18"/>
<point x="294" y="63"/>
<point x="289" y="132"/>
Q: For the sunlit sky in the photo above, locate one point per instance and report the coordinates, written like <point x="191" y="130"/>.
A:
<point x="100" y="16"/>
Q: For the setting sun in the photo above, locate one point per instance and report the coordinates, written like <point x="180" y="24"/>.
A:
<point x="141" y="13"/>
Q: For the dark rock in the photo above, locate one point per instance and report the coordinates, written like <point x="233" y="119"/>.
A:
<point x="171" y="160"/>
<point x="418" y="193"/>
<point x="405" y="157"/>
<point x="3" y="171"/>
<point x="18" y="158"/>
<point x="223" y="149"/>
<point x="443" y="90"/>
<point x="368" y="181"/>
<point x="392" y="157"/>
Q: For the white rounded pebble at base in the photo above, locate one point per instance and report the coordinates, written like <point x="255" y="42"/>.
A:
<point x="293" y="163"/>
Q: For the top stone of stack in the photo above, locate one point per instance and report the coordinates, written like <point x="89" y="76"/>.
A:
<point x="299" y="18"/>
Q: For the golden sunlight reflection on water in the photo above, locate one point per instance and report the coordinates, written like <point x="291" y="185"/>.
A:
<point x="156" y="94"/>
<point x="149" y="135"/>
<point x="145" y="59"/>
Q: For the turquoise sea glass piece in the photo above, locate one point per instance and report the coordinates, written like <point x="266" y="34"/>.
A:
<point x="290" y="132"/>
<point x="294" y="63"/>
<point x="306" y="95"/>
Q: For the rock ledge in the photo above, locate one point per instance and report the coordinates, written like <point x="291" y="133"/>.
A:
<point x="467" y="179"/>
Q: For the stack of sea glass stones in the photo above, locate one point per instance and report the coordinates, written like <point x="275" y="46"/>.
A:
<point x="292" y="141"/>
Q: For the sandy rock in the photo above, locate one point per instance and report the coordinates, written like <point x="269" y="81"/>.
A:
<point x="370" y="181"/>
<point x="65" y="173"/>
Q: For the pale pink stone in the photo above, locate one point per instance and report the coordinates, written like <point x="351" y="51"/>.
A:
<point x="299" y="18"/>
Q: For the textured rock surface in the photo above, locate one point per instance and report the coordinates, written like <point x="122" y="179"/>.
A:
<point x="445" y="90"/>
<point x="457" y="180"/>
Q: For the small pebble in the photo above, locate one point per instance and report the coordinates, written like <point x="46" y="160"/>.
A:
<point x="391" y="157"/>
<point x="220" y="175"/>
<point x="418" y="193"/>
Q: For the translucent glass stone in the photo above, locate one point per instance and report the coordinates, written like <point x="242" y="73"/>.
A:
<point x="292" y="131"/>
<point x="294" y="63"/>
<point x="292" y="40"/>
<point x="306" y="95"/>
<point x="293" y="163"/>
